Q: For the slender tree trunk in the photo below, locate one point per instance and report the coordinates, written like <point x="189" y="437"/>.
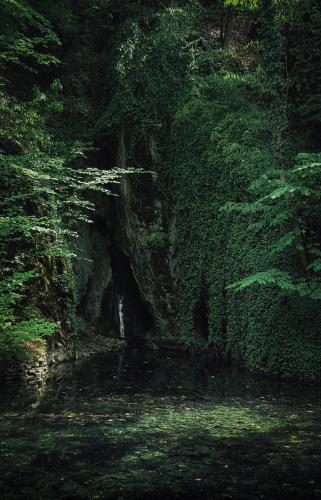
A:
<point x="228" y="27"/>
<point x="122" y="148"/>
<point x="283" y="160"/>
<point x="222" y="29"/>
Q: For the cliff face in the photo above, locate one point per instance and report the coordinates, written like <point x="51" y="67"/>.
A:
<point x="125" y="256"/>
<point x="145" y="241"/>
<point x="93" y="277"/>
<point x="161" y="255"/>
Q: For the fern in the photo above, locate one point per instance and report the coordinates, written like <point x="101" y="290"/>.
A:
<point x="289" y="202"/>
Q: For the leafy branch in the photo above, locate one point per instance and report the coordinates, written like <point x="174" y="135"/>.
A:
<point x="291" y="202"/>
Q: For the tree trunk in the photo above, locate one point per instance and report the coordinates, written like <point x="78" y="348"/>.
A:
<point x="228" y="27"/>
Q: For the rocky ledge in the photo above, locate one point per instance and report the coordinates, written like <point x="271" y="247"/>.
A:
<point x="97" y="345"/>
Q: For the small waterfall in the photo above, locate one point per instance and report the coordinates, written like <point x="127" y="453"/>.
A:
<point x="121" y="316"/>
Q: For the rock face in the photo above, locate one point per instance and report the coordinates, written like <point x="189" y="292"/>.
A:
<point x="93" y="277"/>
<point x="124" y="256"/>
<point x="143" y="236"/>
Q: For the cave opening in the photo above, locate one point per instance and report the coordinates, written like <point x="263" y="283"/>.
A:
<point x="201" y="324"/>
<point x="131" y="319"/>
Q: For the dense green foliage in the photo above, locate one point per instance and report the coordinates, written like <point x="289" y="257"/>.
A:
<point x="229" y="115"/>
<point x="271" y="330"/>
<point x="289" y="200"/>
<point x="43" y="181"/>
<point x="222" y="100"/>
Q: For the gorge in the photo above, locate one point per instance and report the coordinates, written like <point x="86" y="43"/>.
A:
<point x="160" y="286"/>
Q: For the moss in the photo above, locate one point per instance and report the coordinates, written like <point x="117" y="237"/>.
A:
<point x="222" y="142"/>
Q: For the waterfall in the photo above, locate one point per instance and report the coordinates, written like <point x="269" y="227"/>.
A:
<point x="121" y="316"/>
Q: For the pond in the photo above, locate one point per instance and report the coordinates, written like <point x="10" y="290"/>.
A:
<point x="161" y="425"/>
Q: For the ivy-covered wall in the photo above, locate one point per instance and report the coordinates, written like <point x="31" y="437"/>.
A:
<point x="210" y="112"/>
<point x="221" y="141"/>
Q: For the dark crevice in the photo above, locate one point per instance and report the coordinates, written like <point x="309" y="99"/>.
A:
<point x="137" y="317"/>
<point x="201" y="325"/>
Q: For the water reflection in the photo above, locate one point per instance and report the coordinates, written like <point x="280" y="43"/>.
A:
<point x="159" y="425"/>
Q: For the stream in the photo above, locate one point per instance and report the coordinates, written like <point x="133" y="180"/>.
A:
<point x="161" y="425"/>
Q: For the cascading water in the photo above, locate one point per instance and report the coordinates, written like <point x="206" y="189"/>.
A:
<point x="121" y="316"/>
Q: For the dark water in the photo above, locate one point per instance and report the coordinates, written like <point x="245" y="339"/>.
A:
<point x="144" y="425"/>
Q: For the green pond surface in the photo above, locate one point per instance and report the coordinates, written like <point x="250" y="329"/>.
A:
<point x="161" y="425"/>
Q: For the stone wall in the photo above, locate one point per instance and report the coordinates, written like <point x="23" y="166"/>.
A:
<point x="30" y="373"/>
